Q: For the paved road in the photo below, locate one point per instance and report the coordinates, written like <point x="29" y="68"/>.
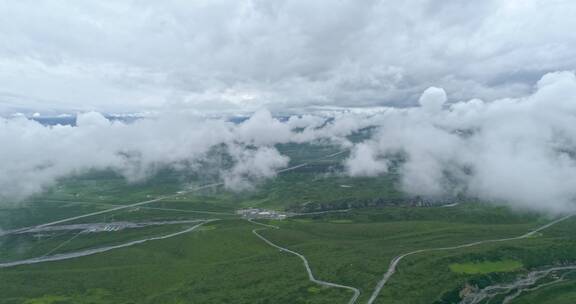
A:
<point x="62" y="244"/>
<point x="292" y="168"/>
<point x="335" y="154"/>
<point x="145" y="207"/>
<point x="77" y="254"/>
<point x="98" y="227"/>
<point x="394" y="263"/>
<point x="121" y="207"/>
<point x="160" y="198"/>
<point x="64" y="256"/>
<point x="305" y="261"/>
<point x="320" y="212"/>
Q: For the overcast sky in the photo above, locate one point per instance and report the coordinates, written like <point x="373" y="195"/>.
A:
<point x="241" y="55"/>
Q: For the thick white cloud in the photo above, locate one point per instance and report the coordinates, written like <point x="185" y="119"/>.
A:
<point x="262" y="129"/>
<point x="304" y="121"/>
<point x="290" y="55"/>
<point x="252" y="166"/>
<point x="516" y="150"/>
<point x="33" y="156"/>
<point x="236" y="55"/>
<point x="433" y="99"/>
<point x="363" y="162"/>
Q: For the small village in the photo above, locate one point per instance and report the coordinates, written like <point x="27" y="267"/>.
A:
<point x="258" y="213"/>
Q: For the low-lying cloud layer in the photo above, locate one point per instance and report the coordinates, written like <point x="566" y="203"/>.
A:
<point x="520" y="151"/>
<point x="34" y="156"/>
<point x="516" y="150"/>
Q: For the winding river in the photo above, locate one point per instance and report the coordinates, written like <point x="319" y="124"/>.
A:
<point x="525" y="283"/>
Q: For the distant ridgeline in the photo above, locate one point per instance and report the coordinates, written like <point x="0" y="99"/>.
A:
<point x="414" y="201"/>
<point x="71" y="120"/>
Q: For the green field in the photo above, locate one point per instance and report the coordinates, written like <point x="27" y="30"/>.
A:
<point x="224" y="262"/>
<point x="486" y="267"/>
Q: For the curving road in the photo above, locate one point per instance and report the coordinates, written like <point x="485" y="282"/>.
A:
<point x="305" y="261"/>
<point x="100" y="226"/>
<point x="160" y="198"/>
<point x="394" y="263"/>
<point x="64" y="256"/>
<point x="121" y="207"/>
<point x="320" y="212"/>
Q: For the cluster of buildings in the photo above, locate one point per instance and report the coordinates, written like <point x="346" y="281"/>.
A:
<point x="105" y="228"/>
<point x="256" y="213"/>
